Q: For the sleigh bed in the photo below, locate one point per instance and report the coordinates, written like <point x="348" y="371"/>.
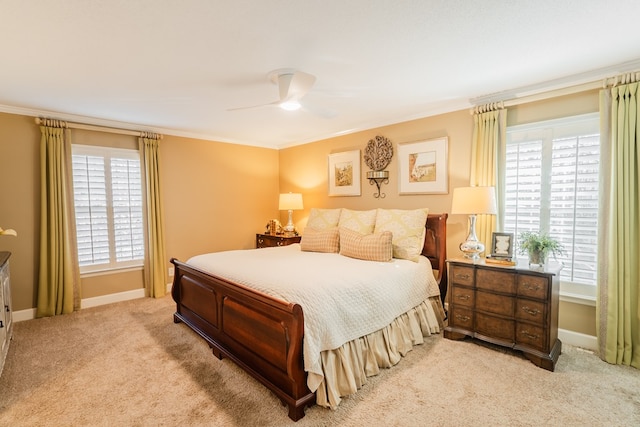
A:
<point x="264" y="332"/>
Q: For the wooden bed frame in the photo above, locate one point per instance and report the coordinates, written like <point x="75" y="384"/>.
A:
<point x="263" y="335"/>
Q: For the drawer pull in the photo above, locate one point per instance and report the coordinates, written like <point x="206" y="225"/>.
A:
<point x="279" y="243"/>
<point x="531" y="311"/>
<point x="462" y="318"/>
<point x="261" y="241"/>
<point x="463" y="297"/>
<point x="530" y="335"/>
<point x="463" y="276"/>
<point x="530" y="287"/>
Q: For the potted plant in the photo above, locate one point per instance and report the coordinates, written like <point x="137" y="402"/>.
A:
<point x="538" y="246"/>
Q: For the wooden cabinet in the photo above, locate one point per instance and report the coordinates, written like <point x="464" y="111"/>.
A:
<point x="514" y="307"/>
<point x="6" y="324"/>
<point x="270" y="240"/>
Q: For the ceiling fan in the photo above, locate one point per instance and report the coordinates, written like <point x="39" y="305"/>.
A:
<point x="293" y="85"/>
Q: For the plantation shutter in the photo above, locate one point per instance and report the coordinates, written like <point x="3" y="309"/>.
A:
<point x="552" y="187"/>
<point x="107" y="188"/>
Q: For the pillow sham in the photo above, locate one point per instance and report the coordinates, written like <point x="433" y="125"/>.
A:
<point x="314" y="240"/>
<point x="408" y="229"/>
<point x="361" y="221"/>
<point x="370" y="247"/>
<point x="322" y="219"/>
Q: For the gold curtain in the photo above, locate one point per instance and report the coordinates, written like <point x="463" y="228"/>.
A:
<point x="155" y="262"/>
<point x="618" y="304"/>
<point x="488" y="150"/>
<point x="59" y="277"/>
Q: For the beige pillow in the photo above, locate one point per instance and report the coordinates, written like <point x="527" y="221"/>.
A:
<point x="314" y="240"/>
<point x="408" y="229"/>
<point x="361" y="221"/>
<point x="370" y="247"/>
<point x="322" y="219"/>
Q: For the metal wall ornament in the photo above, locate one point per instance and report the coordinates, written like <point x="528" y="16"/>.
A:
<point x="377" y="156"/>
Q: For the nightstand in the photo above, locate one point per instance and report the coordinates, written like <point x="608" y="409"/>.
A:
<point x="514" y="307"/>
<point x="270" y="240"/>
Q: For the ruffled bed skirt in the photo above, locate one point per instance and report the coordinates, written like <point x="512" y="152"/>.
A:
<point x="346" y="368"/>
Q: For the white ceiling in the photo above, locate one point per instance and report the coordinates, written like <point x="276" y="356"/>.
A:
<point x="176" y="67"/>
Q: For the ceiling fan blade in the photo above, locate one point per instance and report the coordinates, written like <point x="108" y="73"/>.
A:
<point x="254" y="106"/>
<point x="292" y="86"/>
<point x="300" y="84"/>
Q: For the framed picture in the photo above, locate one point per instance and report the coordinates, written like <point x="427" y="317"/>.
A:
<point x="344" y="173"/>
<point x="502" y="245"/>
<point x="423" y="167"/>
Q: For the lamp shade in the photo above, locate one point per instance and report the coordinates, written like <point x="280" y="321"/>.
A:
<point x="290" y="201"/>
<point x="474" y="200"/>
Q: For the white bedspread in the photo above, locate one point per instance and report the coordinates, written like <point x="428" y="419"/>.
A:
<point x="342" y="298"/>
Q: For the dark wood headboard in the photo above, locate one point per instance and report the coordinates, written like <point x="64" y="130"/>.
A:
<point x="435" y="248"/>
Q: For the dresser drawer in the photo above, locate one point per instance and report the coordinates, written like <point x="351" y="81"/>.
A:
<point x="532" y="311"/>
<point x="462" y="296"/>
<point x="494" y="303"/>
<point x="496" y="280"/>
<point x="531" y="336"/>
<point x="496" y="327"/>
<point x="533" y="286"/>
<point x="462" y="275"/>
<point x="461" y="318"/>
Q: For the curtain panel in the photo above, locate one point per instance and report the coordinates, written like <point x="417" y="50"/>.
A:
<point x="155" y="277"/>
<point x="488" y="150"/>
<point x="618" y="306"/>
<point x="59" y="277"/>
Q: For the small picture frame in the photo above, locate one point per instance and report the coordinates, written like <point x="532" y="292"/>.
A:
<point x="502" y="245"/>
<point x="344" y="173"/>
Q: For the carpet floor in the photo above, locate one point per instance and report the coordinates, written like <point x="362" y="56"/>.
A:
<point x="128" y="364"/>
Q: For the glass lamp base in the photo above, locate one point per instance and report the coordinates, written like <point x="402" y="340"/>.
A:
<point x="472" y="249"/>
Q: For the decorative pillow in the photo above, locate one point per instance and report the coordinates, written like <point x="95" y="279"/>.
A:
<point x="408" y="228"/>
<point x="322" y="219"/>
<point x="370" y="247"/>
<point x="361" y="221"/>
<point x="314" y="240"/>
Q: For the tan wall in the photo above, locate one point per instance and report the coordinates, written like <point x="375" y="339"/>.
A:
<point x="216" y="196"/>
<point x="305" y="169"/>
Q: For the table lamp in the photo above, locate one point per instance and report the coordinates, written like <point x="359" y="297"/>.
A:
<point x="473" y="201"/>
<point x="290" y="202"/>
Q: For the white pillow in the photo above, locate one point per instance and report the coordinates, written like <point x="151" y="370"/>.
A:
<point x="408" y="229"/>
<point x="323" y="219"/>
<point x="361" y="221"/>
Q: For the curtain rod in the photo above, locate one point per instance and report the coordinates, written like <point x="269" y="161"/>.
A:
<point x="71" y="125"/>
<point x="513" y="99"/>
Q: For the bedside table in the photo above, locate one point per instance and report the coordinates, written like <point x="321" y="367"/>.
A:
<point x="270" y="240"/>
<point x="514" y="307"/>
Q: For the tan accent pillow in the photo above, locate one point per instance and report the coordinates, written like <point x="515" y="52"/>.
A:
<point x="361" y="221"/>
<point x="322" y="219"/>
<point x="408" y="229"/>
<point x="314" y="240"/>
<point x="370" y="247"/>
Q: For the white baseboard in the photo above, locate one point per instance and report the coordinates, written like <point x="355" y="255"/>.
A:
<point x="577" y="339"/>
<point x="30" y="313"/>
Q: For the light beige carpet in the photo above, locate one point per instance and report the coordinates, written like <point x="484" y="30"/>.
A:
<point x="128" y="364"/>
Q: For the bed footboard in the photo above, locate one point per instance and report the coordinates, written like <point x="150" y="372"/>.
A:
<point x="261" y="334"/>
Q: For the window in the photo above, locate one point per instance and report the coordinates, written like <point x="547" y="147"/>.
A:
<point x="107" y="189"/>
<point x="552" y="174"/>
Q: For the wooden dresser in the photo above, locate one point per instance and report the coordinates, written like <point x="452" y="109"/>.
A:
<point x="6" y="325"/>
<point x="269" y="240"/>
<point x="515" y="307"/>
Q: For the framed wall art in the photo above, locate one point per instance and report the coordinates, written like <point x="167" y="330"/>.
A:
<point x="423" y="167"/>
<point x="344" y="173"/>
